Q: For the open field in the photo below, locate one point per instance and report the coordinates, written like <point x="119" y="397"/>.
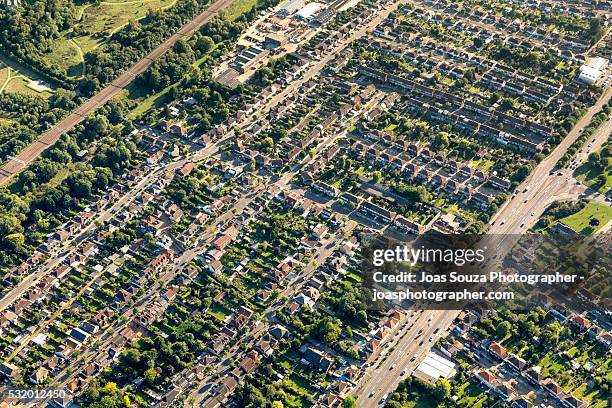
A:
<point x="587" y="174"/>
<point x="97" y="22"/>
<point x="593" y="210"/>
<point x="13" y="81"/>
<point x="238" y="8"/>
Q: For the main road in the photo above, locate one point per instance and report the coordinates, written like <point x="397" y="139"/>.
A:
<point x="519" y="214"/>
<point x="16" y="164"/>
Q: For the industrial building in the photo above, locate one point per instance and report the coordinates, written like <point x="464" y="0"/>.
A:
<point x="592" y="70"/>
<point x="434" y="366"/>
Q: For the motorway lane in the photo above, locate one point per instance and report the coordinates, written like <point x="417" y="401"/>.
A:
<point x="516" y="211"/>
<point x="543" y="187"/>
<point x="47" y="139"/>
<point x="388" y="373"/>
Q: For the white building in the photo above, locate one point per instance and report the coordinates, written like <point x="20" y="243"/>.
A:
<point x="289" y="7"/>
<point x="592" y="70"/>
<point x="11" y="4"/>
<point x="434" y="366"/>
<point x="308" y="11"/>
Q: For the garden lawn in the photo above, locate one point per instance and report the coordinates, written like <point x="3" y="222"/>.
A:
<point x="588" y="174"/>
<point x="593" y="210"/>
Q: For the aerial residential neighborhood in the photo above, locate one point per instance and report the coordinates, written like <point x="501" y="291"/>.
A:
<point x="189" y="192"/>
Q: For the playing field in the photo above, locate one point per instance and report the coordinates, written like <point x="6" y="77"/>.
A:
<point x="582" y="221"/>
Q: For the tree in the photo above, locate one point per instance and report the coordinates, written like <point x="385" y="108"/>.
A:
<point x="442" y="389"/>
<point x="503" y="329"/>
<point x="204" y="44"/>
<point x="329" y="329"/>
<point x="349" y="402"/>
<point x="277" y="404"/>
<point x="150" y="375"/>
<point x="14" y="242"/>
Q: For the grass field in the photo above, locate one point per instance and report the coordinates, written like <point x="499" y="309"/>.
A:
<point x="593" y="210"/>
<point x="96" y="23"/>
<point x="588" y="174"/>
<point x="14" y="81"/>
<point x="237" y="8"/>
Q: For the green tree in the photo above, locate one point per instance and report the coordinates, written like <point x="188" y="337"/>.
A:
<point x="349" y="402"/>
<point x="503" y="329"/>
<point x="329" y="329"/>
<point x="442" y="389"/>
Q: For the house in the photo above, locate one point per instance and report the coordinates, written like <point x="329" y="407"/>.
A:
<point x="534" y="375"/>
<point x="123" y="296"/>
<point x="63" y="401"/>
<point x="215" y="266"/>
<point x="242" y="316"/>
<point x="222" y="241"/>
<point x="580" y="322"/>
<point x="376" y="211"/>
<point x="317" y="359"/>
<point x="572" y="402"/>
<point x="516" y="362"/>
<point x="481" y="199"/>
<point x="319" y="231"/>
<point x="304" y="300"/>
<point x="10" y="371"/>
<point x="550" y="386"/>
<point x="89" y="327"/>
<point x="522" y="403"/>
<point x="350" y="199"/>
<point x="498" y="351"/>
<point x="227" y="387"/>
<point x="505" y="391"/>
<point x="186" y="169"/>
<point x="485" y="378"/>
<point x="326" y="189"/>
<point x="278" y="331"/>
<point x="79" y="335"/>
<point x="605" y="339"/>
<point x="500" y="183"/>
<point x="408" y="226"/>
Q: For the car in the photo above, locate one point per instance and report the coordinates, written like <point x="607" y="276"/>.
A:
<point x="393" y="366"/>
<point x="525" y="200"/>
<point x="532" y="214"/>
<point x="502" y="222"/>
<point x="403" y="373"/>
<point x="371" y="394"/>
<point x="414" y="357"/>
<point x="431" y="339"/>
<point x="421" y="343"/>
<point x="384" y="398"/>
<point x="522" y="225"/>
